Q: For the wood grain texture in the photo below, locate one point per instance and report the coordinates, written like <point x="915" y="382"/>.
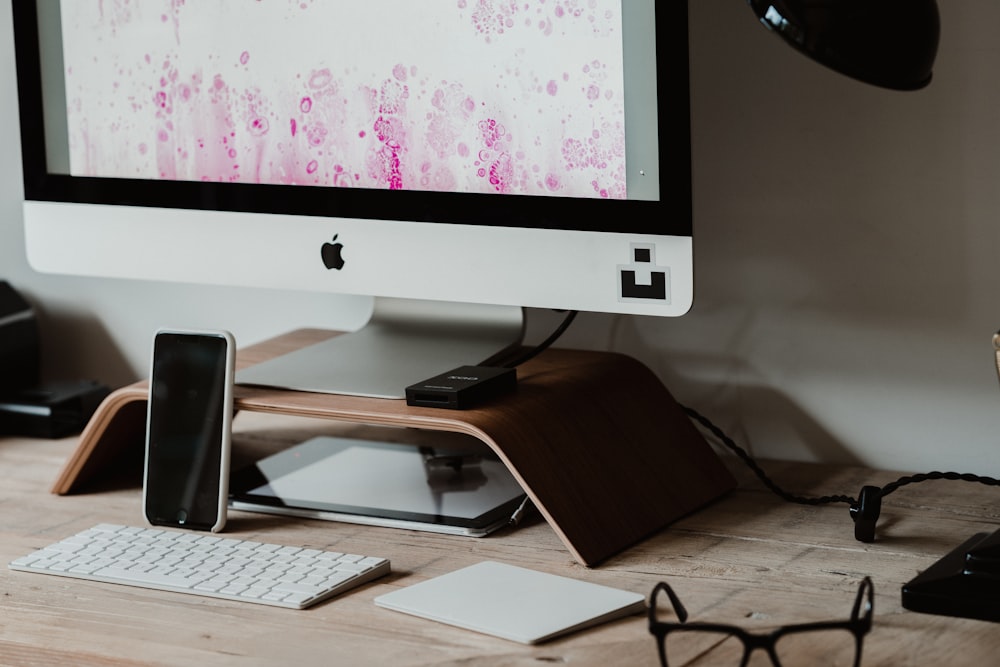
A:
<point x="595" y="439"/>
<point x="748" y="559"/>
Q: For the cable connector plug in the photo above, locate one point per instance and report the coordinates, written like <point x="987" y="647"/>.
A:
<point x="866" y="512"/>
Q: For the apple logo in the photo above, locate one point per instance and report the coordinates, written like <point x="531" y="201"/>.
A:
<point x="332" y="253"/>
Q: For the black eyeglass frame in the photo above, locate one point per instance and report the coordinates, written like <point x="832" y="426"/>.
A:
<point x="859" y="625"/>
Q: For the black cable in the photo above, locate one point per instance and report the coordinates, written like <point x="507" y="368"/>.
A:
<point x="821" y="500"/>
<point x="755" y="467"/>
<point x="954" y="476"/>
<point x="545" y="344"/>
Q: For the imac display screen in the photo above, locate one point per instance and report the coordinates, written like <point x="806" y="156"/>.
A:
<point x="526" y="98"/>
<point x="527" y="153"/>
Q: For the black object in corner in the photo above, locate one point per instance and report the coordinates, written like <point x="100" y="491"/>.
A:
<point x="19" y="347"/>
<point x="964" y="583"/>
<point x="53" y="410"/>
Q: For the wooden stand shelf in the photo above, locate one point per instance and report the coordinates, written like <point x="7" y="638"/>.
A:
<point x="594" y="438"/>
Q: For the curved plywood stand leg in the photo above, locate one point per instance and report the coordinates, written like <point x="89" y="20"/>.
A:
<point x="111" y="445"/>
<point x="594" y="438"/>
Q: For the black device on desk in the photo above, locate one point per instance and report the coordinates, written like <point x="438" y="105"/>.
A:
<point x="964" y="583"/>
<point x="19" y="355"/>
<point x="50" y="410"/>
<point x="28" y="407"/>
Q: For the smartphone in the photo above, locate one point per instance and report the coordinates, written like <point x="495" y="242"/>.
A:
<point x="188" y="429"/>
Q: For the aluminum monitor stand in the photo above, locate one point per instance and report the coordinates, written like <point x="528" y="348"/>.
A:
<point x="404" y="342"/>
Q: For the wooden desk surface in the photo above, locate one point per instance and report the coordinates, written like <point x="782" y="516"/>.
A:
<point x="749" y="559"/>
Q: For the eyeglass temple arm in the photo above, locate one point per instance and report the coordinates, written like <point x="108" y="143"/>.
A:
<point x="865" y="590"/>
<point x="675" y="601"/>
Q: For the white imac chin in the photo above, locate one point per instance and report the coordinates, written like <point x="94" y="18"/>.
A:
<point x="549" y="168"/>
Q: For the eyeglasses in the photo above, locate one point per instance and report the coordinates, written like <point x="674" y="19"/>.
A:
<point x="826" y="643"/>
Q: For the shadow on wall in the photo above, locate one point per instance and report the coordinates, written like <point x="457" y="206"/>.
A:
<point x="721" y="388"/>
<point x="70" y="343"/>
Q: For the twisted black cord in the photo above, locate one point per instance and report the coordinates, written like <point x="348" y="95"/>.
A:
<point x="755" y="467"/>
<point x="823" y="500"/>
<point x="923" y="477"/>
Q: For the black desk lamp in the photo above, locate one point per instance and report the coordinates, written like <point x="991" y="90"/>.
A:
<point x="888" y="43"/>
<point x="893" y="43"/>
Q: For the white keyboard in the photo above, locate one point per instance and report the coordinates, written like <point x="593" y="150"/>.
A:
<point x="203" y="564"/>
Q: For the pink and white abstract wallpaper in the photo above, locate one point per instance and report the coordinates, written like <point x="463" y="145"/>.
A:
<point x="489" y="96"/>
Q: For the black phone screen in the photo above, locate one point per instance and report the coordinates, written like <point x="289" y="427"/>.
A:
<point x="185" y="432"/>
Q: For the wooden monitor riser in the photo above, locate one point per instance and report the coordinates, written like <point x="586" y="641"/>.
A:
<point x="594" y="438"/>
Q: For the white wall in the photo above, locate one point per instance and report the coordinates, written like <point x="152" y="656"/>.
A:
<point x="846" y="239"/>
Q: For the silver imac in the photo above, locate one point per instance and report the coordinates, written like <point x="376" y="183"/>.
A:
<point x="459" y="161"/>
